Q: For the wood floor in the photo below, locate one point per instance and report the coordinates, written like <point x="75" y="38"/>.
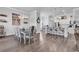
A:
<point x="44" y="43"/>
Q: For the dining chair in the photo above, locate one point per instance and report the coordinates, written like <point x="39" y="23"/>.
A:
<point x="29" y="34"/>
<point x="17" y="34"/>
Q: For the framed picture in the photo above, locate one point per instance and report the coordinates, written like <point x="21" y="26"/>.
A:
<point x="15" y="19"/>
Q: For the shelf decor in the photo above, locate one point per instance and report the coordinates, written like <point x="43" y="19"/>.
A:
<point x="25" y="20"/>
<point x="3" y="15"/>
<point x="63" y="17"/>
<point x="2" y="20"/>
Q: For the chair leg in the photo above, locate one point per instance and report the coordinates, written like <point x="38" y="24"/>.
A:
<point x="24" y="40"/>
<point x="34" y="40"/>
<point x="20" y="40"/>
<point x="29" y="40"/>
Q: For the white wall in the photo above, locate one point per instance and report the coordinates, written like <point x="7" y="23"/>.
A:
<point x="44" y="16"/>
<point x="76" y="16"/>
<point x="45" y="20"/>
<point x="33" y="20"/>
<point x="9" y="28"/>
<point x="33" y="17"/>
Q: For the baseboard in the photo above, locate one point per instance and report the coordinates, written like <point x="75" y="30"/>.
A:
<point x="8" y="35"/>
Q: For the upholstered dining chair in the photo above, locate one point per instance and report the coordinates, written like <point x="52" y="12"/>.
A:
<point x="17" y="34"/>
<point x="29" y="34"/>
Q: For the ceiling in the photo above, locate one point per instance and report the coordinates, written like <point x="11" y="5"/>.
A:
<point x="57" y="10"/>
<point x="28" y="9"/>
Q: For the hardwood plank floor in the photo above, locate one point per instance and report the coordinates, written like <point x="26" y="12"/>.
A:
<point x="44" y="43"/>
